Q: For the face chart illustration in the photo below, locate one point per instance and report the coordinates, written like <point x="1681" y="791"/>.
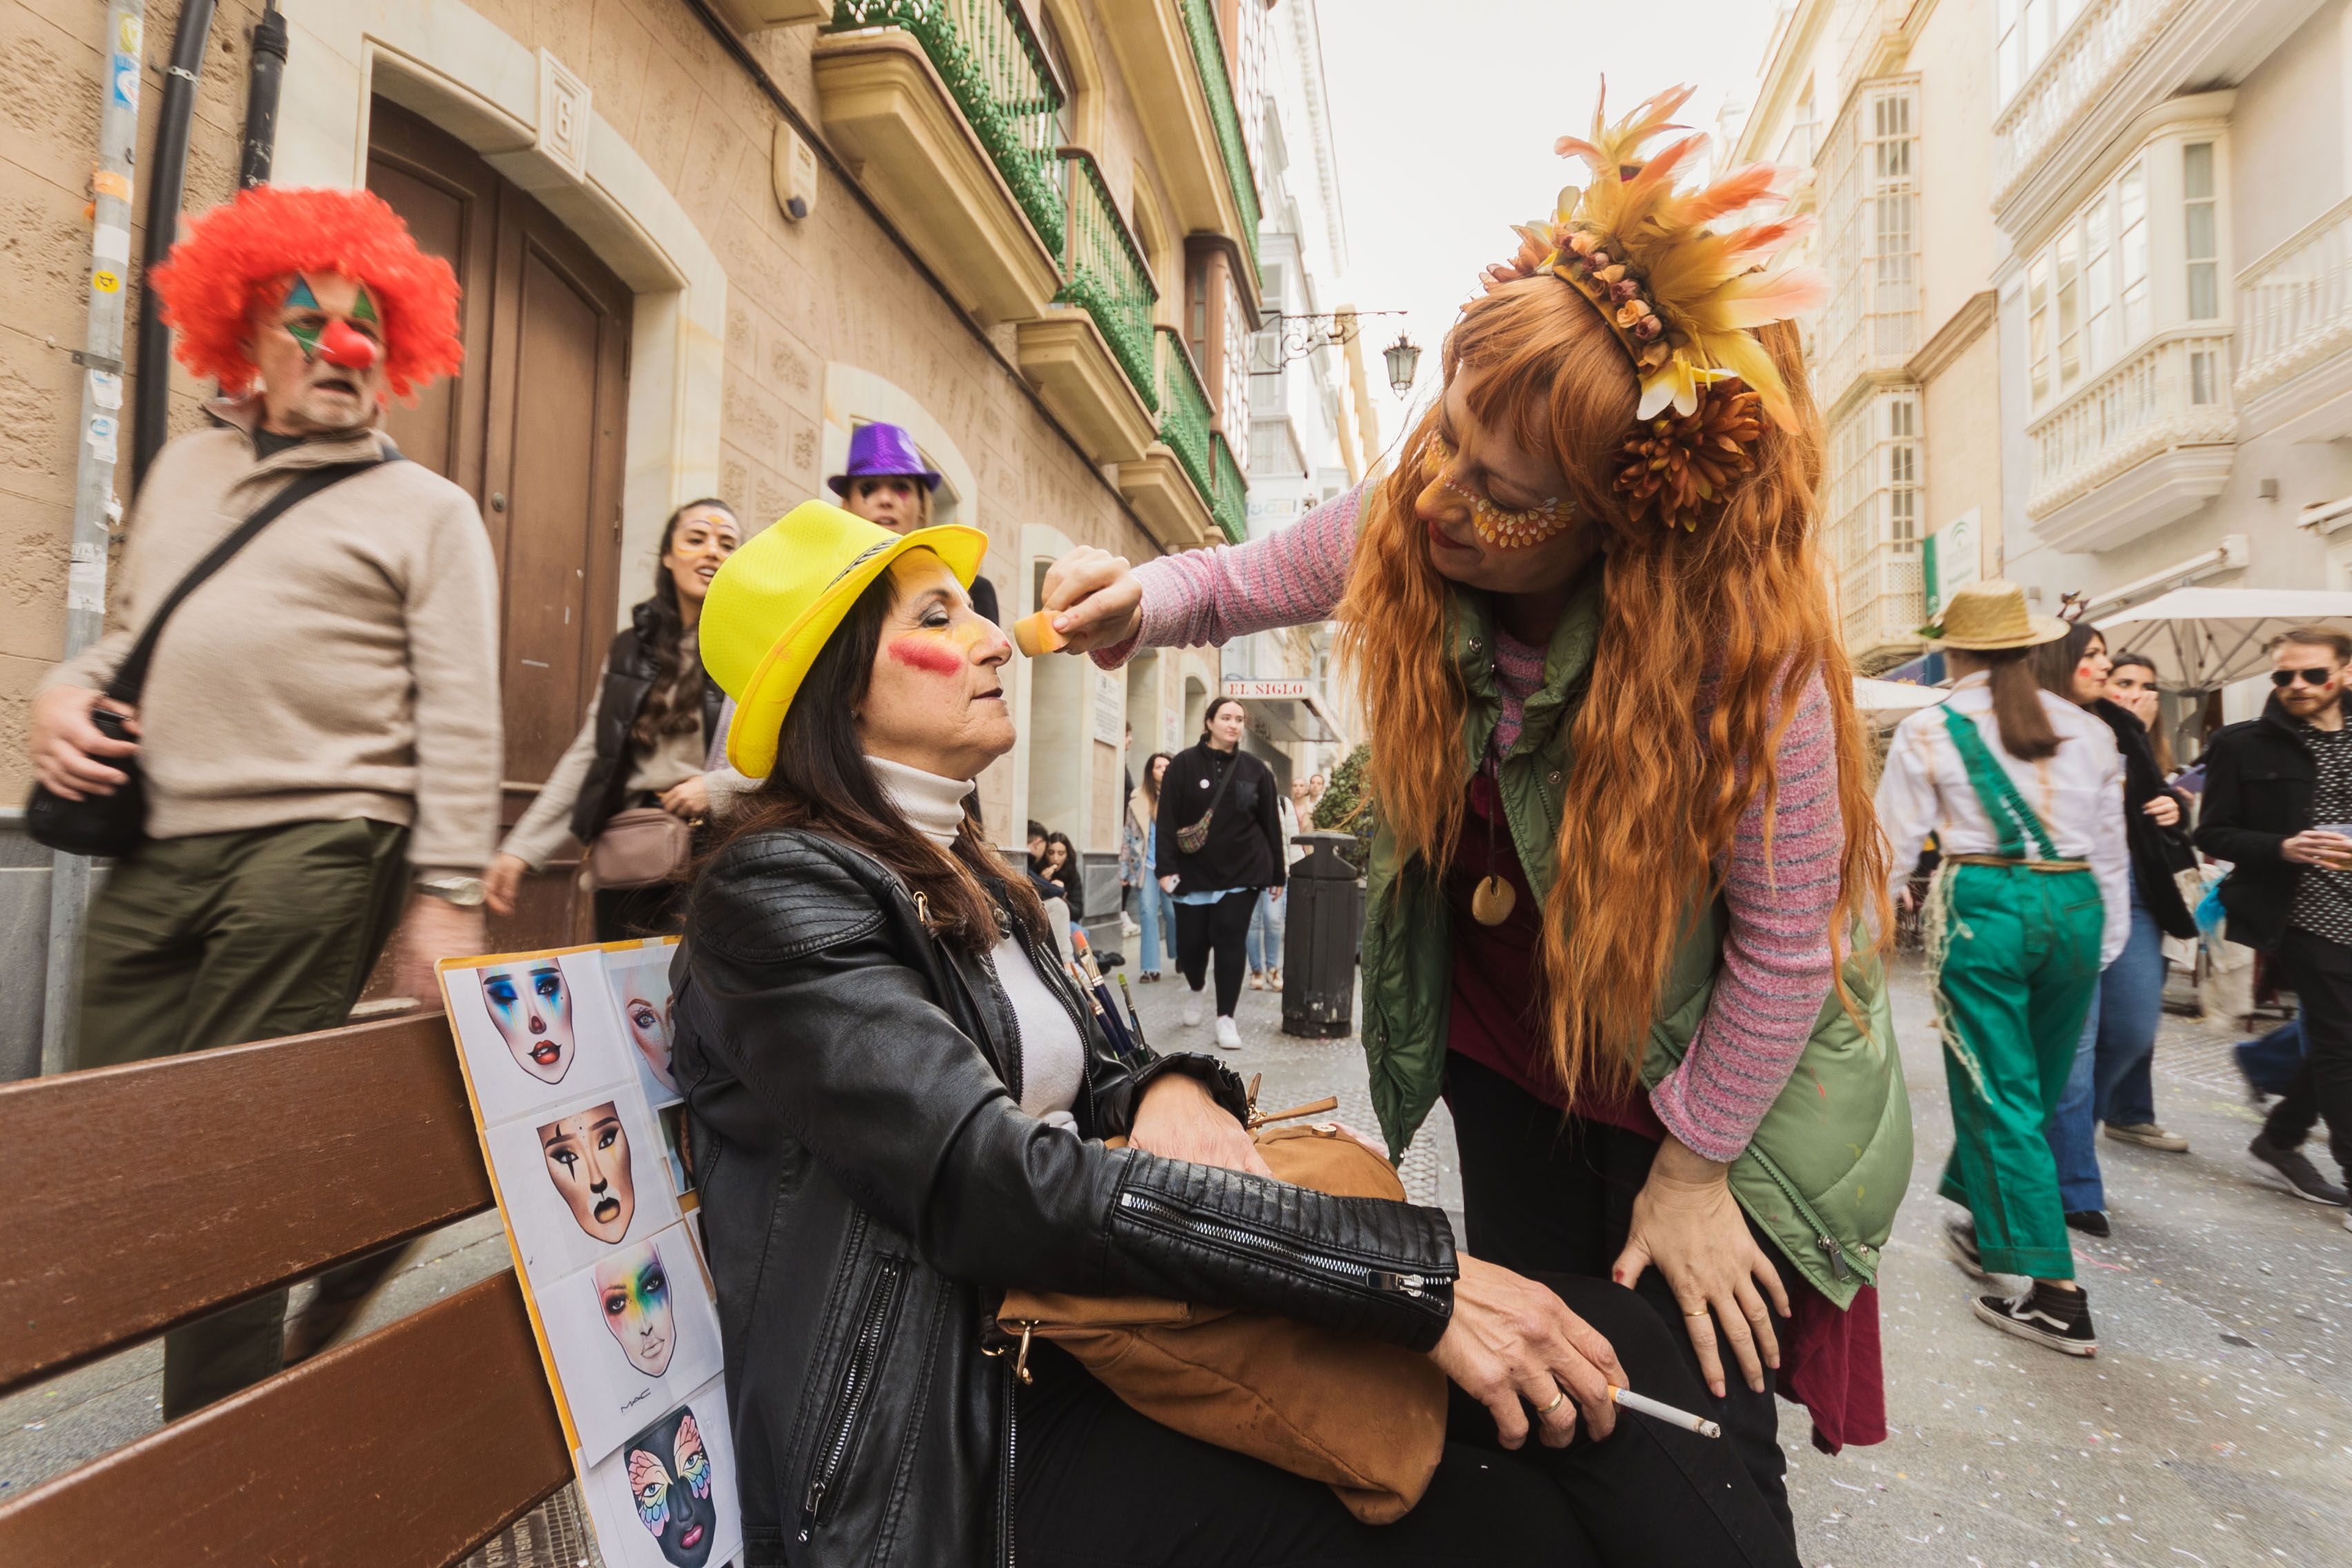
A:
<point x="530" y="1003"/>
<point x="587" y="1158"/>
<point x="633" y="1293"/>
<point x="674" y="1488"/>
<point x="640" y="986"/>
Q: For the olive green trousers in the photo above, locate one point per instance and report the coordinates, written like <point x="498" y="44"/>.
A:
<point x="220" y="939"/>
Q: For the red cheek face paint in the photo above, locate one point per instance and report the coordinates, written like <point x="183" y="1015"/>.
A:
<point x="919" y="652"/>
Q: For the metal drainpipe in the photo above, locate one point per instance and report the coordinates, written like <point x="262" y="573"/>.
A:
<point x="170" y="167"/>
<point x="263" y="74"/>
<point x="101" y="433"/>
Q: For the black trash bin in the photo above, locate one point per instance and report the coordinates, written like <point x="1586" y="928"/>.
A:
<point x="1325" y="920"/>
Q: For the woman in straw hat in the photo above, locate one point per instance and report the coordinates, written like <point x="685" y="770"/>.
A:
<point x="2025" y="793"/>
<point x="899" y="1106"/>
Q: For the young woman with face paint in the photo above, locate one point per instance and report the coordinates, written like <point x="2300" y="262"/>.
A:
<point x="647" y="733"/>
<point x="892" y="1081"/>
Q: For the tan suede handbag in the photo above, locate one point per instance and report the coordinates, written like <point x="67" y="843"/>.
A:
<point x="639" y="847"/>
<point x="1365" y="1418"/>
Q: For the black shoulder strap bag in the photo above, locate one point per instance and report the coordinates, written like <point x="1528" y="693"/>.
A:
<point x="116" y="824"/>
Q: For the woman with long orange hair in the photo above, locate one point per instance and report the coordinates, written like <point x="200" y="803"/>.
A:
<point x="1625" y="870"/>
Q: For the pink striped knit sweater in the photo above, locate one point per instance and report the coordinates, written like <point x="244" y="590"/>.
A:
<point x="1778" y="886"/>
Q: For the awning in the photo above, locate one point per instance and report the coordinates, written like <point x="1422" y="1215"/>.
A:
<point x="1888" y="701"/>
<point x="1284" y="711"/>
<point x="2203" y="638"/>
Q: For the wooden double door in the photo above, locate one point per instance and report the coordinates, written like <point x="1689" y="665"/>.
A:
<point x="533" y="427"/>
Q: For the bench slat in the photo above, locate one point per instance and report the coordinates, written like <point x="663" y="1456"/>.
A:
<point x="168" y="1189"/>
<point x="406" y="1449"/>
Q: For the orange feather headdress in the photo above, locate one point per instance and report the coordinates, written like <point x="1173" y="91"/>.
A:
<point x="1682" y="297"/>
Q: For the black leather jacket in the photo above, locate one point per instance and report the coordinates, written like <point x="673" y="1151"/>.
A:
<point x="869" y="1182"/>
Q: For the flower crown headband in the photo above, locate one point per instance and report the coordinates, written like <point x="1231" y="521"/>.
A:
<point x="1682" y="298"/>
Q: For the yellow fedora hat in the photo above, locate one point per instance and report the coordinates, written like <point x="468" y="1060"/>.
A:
<point x="1987" y="616"/>
<point x="775" y="603"/>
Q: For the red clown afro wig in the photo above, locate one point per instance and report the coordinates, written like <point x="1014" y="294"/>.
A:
<point x="237" y="257"/>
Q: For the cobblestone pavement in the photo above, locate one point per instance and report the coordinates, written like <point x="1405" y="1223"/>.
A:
<point x="2214" y="1427"/>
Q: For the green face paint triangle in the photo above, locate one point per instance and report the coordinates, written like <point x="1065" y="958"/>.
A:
<point x="363" y="305"/>
<point x="299" y="297"/>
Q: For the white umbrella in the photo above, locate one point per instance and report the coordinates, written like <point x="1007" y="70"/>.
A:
<point x="2203" y="638"/>
<point x="1888" y="701"/>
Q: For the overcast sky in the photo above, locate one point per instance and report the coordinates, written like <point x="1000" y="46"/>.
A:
<point x="1444" y="117"/>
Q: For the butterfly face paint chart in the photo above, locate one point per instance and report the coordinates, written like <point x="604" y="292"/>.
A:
<point x="566" y="1056"/>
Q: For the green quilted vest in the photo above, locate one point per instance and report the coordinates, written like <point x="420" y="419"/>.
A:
<point x="1827" y="1167"/>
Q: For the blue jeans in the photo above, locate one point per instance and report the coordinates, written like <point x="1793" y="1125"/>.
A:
<point x="1155" y="911"/>
<point x="2111" y="1078"/>
<point x="1265" y="929"/>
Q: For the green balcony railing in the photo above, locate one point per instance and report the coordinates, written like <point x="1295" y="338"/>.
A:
<point x="996" y="69"/>
<point x="1103" y="270"/>
<point x="1184" y="414"/>
<point x="1229" y="501"/>
<point x="1208" y="57"/>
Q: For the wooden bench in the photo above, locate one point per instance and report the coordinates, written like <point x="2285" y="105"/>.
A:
<point x="143" y="1197"/>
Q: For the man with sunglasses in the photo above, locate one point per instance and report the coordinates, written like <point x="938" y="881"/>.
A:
<point x="2278" y="807"/>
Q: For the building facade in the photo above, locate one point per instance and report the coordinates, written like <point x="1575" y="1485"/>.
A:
<point x="2172" y="182"/>
<point x="701" y="241"/>
<point x="1884" y="100"/>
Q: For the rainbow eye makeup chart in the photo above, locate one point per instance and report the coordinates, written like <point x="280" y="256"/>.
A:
<point x="566" y="1056"/>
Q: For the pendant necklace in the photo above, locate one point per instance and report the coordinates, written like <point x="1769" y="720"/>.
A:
<point x="1493" y="899"/>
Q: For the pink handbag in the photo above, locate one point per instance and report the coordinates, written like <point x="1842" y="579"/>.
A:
<point x="639" y="847"/>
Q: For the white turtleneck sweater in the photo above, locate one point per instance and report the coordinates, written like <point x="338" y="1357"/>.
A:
<point x="1052" y="1054"/>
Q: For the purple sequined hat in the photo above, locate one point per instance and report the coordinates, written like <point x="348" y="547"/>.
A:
<point x="878" y="449"/>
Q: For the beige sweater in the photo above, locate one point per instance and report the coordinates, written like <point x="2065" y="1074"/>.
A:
<point x="343" y="663"/>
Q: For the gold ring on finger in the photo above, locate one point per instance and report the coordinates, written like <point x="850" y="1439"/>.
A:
<point x="1557" y="1400"/>
<point x="1700" y="1314"/>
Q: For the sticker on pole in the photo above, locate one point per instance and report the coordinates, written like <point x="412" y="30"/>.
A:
<point x="106" y="280"/>
<point x="126" y="81"/>
<point x="103" y="430"/>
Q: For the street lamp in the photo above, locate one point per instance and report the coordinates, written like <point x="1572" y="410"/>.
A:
<point x="1405" y="362"/>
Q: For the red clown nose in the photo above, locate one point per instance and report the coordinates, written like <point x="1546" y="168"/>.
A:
<point x="345" y="349"/>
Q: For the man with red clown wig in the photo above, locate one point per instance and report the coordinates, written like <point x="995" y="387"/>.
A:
<point x="318" y="732"/>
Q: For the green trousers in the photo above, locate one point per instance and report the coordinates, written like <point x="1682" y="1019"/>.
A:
<point x="220" y="939"/>
<point x="2019" y="967"/>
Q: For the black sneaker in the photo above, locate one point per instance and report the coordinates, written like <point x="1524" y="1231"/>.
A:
<point x="1960" y="1241"/>
<point x="2299" y="1174"/>
<point x="2046" y="1315"/>
<point x="2090" y="1222"/>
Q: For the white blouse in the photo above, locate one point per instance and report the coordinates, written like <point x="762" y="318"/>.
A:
<point x="1053" y="1052"/>
<point x="2078" y="793"/>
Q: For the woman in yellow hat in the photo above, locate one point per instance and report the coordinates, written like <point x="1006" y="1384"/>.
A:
<point x="899" y="1105"/>
<point x="2025" y="793"/>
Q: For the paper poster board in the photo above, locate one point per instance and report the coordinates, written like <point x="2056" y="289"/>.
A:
<point x="566" y="1059"/>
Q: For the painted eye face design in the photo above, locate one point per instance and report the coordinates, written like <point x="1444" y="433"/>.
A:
<point x="671" y="1484"/>
<point x="588" y="1159"/>
<point x="649" y="1032"/>
<point x="1502" y="528"/>
<point x="531" y="1006"/>
<point x="633" y="1295"/>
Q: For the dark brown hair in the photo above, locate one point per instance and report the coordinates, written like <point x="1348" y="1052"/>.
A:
<point x="2157" y="740"/>
<point x="2313" y="637"/>
<point x="822" y="783"/>
<point x="674" y="705"/>
<point x="2054" y="663"/>
<point x="2026" y="733"/>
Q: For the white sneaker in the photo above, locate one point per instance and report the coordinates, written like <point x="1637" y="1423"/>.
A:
<point x="1228" y="1037"/>
<point x="1193" y="1009"/>
<point x="1256" y="981"/>
<point x="1127" y="927"/>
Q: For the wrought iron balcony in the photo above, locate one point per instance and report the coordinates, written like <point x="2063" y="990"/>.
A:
<point x="2147" y="441"/>
<point x="1229" y="499"/>
<point x="1209" y="58"/>
<point x="1184" y="414"/>
<point x="995" y="68"/>
<point x="1103" y="270"/>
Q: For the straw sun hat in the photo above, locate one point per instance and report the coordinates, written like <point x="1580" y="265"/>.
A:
<point x="777" y="601"/>
<point x="1988" y="616"/>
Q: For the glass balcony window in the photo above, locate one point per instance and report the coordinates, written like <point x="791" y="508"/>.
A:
<point x="2203" y="246"/>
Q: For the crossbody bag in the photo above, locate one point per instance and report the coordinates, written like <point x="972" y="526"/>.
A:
<point x="116" y="824"/>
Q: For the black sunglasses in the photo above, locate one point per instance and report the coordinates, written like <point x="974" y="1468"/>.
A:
<point x="2283" y="678"/>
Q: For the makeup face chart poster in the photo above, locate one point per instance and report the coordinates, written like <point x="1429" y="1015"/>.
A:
<point x="566" y="1054"/>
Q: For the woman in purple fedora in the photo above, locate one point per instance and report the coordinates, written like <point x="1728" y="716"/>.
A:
<point x="886" y="481"/>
